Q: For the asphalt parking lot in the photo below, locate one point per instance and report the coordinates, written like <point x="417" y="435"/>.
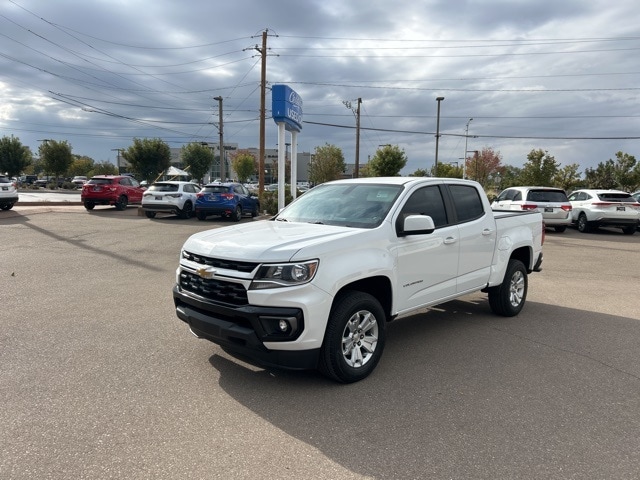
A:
<point x="99" y="379"/>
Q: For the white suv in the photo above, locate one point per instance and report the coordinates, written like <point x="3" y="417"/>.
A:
<point x="170" y="197"/>
<point x="550" y="201"/>
<point x="8" y="193"/>
<point x="605" y="208"/>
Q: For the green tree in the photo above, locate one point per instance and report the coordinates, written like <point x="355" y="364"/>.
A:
<point x="244" y="164"/>
<point x="387" y="161"/>
<point x="420" y="172"/>
<point x="624" y="173"/>
<point x="449" y="171"/>
<point x="148" y="157"/>
<point x="103" y="168"/>
<point x="328" y="164"/>
<point x="198" y="159"/>
<point x="56" y="157"/>
<point x="509" y="177"/>
<point x="483" y="166"/>
<point x="81" y="165"/>
<point x="14" y="157"/>
<point x="539" y="169"/>
<point x="567" y="177"/>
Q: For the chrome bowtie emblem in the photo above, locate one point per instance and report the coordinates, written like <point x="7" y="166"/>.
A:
<point x="205" y="272"/>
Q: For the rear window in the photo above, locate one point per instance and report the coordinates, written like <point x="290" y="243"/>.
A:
<point x="547" y="196"/>
<point x="163" y="187"/>
<point x="4" y="180"/>
<point x="616" y="197"/>
<point x="100" y="181"/>
<point x="215" y="189"/>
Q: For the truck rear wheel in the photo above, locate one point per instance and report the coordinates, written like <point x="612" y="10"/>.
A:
<point x="355" y="337"/>
<point x="508" y="298"/>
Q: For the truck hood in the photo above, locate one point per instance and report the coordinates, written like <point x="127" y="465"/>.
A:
<point x="266" y="241"/>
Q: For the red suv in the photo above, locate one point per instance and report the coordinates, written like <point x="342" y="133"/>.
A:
<point x="118" y="190"/>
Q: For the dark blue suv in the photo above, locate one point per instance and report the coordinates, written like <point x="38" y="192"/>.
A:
<point x="229" y="199"/>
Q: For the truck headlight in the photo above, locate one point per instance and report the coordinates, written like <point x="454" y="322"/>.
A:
<point x="279" y="275"/>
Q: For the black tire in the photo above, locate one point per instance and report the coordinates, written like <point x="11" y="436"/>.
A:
<point x="345" y="357"/>
<point x="508" y="298"/>
<point x="201" y="215"/>
<point x="560" y="229"/>
<point x="256" y="211"/>
<point x="187" y="211"/>
<point x="7" y="206"/>
<point x="583" y="224"/>
<point x="150" y="214"/>
<point x="89" y="205"/>
<point x="237" y="214"/>
<point x="121" y="203"/>
<point x="630" y="230"/>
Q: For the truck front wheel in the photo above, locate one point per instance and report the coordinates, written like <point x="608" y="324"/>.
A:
<point x="508" y="298"/>
<point x="355" y="337"/>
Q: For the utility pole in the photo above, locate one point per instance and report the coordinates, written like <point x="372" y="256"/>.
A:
<point x="263" y="94"/>
<point x="439" y="99"/>
<point x="466" y="140"/>
<point x="356" y="112"/>
<point x="357" y="169"/>
<point x="223" y="176"/>
<point x="118" y="157"/>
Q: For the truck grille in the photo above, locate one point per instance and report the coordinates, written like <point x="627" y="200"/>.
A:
<point x="214" y="290"/>
<point x="245" y="267"/>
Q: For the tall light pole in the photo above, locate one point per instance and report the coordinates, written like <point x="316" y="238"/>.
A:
<point x="438" y="99"/>
<point x="466" y="139"/>
<point x="222" y="165"/>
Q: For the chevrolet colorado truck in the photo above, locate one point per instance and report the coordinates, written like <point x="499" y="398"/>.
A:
<point x="314" y="286"/>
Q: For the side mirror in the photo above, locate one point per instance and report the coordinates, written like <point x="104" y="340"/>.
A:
<point x="416" y="225"/>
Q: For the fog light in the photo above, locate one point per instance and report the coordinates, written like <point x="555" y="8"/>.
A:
<point x="283" y="325"/>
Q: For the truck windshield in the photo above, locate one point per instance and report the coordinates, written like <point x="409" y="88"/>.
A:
<point x="343" y="204"/>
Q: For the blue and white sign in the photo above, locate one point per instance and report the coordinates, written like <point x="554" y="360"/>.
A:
<point x="286" y="107"/>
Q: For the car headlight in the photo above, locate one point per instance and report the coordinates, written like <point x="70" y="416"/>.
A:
<point x="279" y="275"/>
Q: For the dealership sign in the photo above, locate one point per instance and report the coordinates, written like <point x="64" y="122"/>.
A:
<point x="286" y="107"/>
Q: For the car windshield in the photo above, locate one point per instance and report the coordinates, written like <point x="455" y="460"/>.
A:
<point x="547" y="196"/>
<point x="215" y="189"/>
<point x="616" y="197"/>
<point x="343" y="204"/>
<point x="100" y="181"/>
<point x="163" y="187"/>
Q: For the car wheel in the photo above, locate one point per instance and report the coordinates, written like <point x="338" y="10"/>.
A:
<point x="201" y="215"/>
<point x="121" y="203"/>
<point x="508" y="298"/>
<point x="237" y="214"/>
<point x="560" y="229"/>
<point x="256" y="210"/>
<point x="354" y="339"/>
<point x="150" y="214"/>
<point x="629" y="230"/>
<point x="89" y="205"/>
<point x="583" y="224"/>
<point x="7" y="206"/>
<point x="187" y="211"/>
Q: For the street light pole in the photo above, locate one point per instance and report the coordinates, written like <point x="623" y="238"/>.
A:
<point x="222" y="159"/>
<point x="438" y="99"/>
<point x="466" y="140"/>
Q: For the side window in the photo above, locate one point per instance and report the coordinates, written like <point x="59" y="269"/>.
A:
<point x="467" y="202"/>
<point x="517" y="195"/>
<point x="426" y="201"/>
<point x="504" y="195"/>
<point x="125" y="181"/>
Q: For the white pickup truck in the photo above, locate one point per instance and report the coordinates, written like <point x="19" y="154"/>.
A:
<point x="314" y="286"/>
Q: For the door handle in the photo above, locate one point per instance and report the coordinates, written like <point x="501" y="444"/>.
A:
<point x="487" y="231"/>
<point x="449" y="240"/>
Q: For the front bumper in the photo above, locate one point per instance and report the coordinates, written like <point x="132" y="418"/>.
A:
<point x="245" y="329"/>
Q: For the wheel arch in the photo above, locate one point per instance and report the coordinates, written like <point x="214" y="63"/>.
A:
<point x="378" y="286"/>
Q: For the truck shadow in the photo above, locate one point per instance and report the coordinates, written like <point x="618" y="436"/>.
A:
<point x="461" y="393"/>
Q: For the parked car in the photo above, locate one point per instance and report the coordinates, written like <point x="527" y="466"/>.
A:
<point x="550" y="201"/>
<point x="79" y="180"/>
<point x="172" y="196"/>
<point x="117" y="190"/>
<point x="228" y="199"/>
<point x="8" y="193"/>
<point x="604" y="208"/>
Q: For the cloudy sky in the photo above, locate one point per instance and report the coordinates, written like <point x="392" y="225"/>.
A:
<point x="562" y="76"/>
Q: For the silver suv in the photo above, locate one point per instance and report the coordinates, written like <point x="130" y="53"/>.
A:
<point x="550" y="201"/>
<point x="8" y="193"/>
